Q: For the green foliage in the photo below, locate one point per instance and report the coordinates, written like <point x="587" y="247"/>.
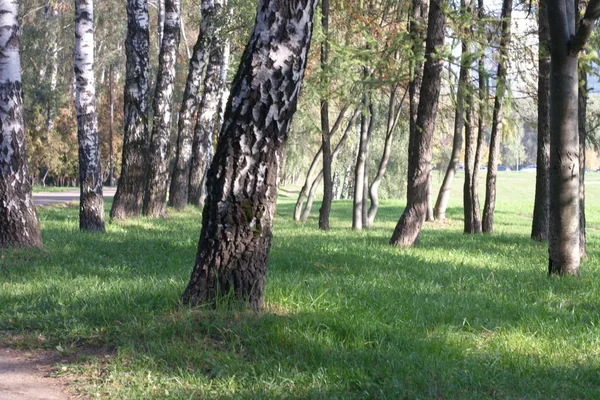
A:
<point x="347" y="316"/>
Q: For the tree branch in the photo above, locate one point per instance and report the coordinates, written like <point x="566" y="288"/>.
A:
<point x="592" y="13"/>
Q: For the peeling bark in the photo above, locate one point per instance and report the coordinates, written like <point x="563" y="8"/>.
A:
<point x="242" y="181"/>
<point x="19" y="226"/>
<point x="408" y="229"/>
<point x="130" y="190"/>
<point x="155" y="197"/>
<point x="207" y="39"/>
<point x="91" y="203"/>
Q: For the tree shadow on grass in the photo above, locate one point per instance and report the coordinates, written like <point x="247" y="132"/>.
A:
<point x="348" y="316"/>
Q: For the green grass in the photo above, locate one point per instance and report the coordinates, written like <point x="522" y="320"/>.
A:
<point x="46" y="189"/>
<point x="347" y="316"/>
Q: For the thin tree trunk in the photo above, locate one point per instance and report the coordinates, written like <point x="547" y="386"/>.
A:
<point x="127" y="202"/>
<point x="242" y="182"/>
<point x="155" y="197"/>
<point x="346" y="183"/>
<point x="361" y="161"/>
<point x="19" y="226"/>
<point x="365" y="191"/>
<point x="392" y="120"/>
<point x="307" y="184"/>
<point x="160" y="23"/>
<point x="481" y="110"/>
<point x="541" y="222"/>
<point x="409" y="226"/>
<point x="439" y="211"/>
<point x="325" y="134"/>
<point x="205" y="123"/>
<point x="338" y="147"/>
<point x="492" y="170"/>
<point x="471" y="224"/>
<point x="563" y="234"/>
<point x="429" y="217"/>
<point x="111" y="149"/>
<point x="582" y="115"/>
<point x="91" y="203"/>
<point x="178" y="190"/>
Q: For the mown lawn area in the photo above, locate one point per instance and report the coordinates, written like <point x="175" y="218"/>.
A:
<point x="347" y="316"/>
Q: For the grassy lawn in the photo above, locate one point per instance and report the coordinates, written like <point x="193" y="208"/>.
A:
<point x="47" y="189"/>
<point x="347" y="316"/>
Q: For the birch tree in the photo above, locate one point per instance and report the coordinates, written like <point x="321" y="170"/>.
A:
<point x="155" y="197"/>
<point x="130" y="190"/>
<point x="91" y="203"/>
<point x="209" y="28"/>
<point x="19" y="226"/>
<point x="242" y="182"/>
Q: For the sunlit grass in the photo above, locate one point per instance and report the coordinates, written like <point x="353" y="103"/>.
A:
<point x="346" y="315"/>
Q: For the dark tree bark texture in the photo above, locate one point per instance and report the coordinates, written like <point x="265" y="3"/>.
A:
<point x="541" y="222"/>
<point x="130" y="190"/>
<point x="582" y="115"/>
<point x="91" y="202"/>
<point x="325" y="134"/>
<point x="563" y="235"/>
<point x="155" y="197"/>
<point x="492" y="169"/>
<point x="19" y="226"/>
<point x="242" y="181"/>
<point x="419" y="159"/>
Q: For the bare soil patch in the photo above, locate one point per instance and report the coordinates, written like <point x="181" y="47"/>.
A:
<point x="26" y="375"/>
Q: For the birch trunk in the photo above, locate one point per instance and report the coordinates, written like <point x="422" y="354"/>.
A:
<point x="408" y="229"/>
<point x="492" y="169"/>
<point x="205" y="124"/>
<point x="359" y="169"/>
<point x="91" y="203"/>
<point x="155" y="197"/>
<point x="130" y="190"/>
<point x="539" y="227"/>
<point x="242" y="182"/>
<point x="111" y="103"/>
<point x="178" y="192"/>
<point x="19" y="226"/>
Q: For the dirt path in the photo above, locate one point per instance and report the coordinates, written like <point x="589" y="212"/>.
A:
<point x="25" y="375"/>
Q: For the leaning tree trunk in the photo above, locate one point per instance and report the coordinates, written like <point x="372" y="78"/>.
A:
<point x="582" y="115"/>
<point x="492" y="171"/>
<point x="539" y="227"/>
<point x="439" y="211"/>
<point x="91" y="203"/>
<point x="408" y="228"/>
<point x="155" y="197"/>
<point x="19" y="226"/>
<point x="307" y="184"/>
<point x="392" y="120"/>
<point x="178" y="191"/>
<point x="242" y="181"/>
<point x="205" y="124"/>
<point x="130" y="190"/>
